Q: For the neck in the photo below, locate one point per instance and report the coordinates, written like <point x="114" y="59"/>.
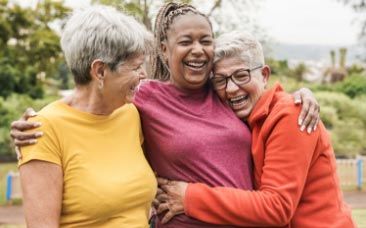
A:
<point x="190" y="89"/>
<point x="90" y="100"/>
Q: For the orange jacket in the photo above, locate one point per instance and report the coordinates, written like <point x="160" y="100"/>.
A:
<point x="294" y="172"/>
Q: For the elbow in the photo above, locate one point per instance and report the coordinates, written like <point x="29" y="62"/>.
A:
<point x="281" y="212"/>
<point x="284" y="215"/>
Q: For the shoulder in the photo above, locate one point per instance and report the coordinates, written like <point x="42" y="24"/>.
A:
<point x="283" y="104"/>
<point x="147" y="90"/>
<point x="49" y="114"/>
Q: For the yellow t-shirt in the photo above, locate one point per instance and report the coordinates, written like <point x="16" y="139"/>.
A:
<point x="107" y="180"/>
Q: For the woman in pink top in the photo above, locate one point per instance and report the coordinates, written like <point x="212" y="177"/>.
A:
<point x="190" y="135"/>
<point x="294" y="173"/>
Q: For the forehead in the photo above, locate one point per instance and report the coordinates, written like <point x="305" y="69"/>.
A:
<point x="227" y="65"/>
<point x="190" y="24"/>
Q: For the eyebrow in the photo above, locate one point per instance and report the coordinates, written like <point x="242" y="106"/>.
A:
<point x="221" y="74"/>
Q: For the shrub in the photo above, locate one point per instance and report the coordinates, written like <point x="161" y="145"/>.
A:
<point x="11" y="109"/>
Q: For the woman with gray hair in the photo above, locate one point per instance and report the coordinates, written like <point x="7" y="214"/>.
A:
<point x="295" y="179"/>
<point x="88" y="169"/>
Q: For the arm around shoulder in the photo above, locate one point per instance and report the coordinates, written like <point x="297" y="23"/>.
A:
<point x="287" y="158"/>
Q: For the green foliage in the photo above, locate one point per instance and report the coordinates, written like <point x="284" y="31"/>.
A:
<point x="354" y="85"/>
<point x="278" y="66"/>
<point x="11" y="109"/>
<point x="298" y="71"/>
<point x="29" y="47"/>
<point x="346" y="121"/>
<point x="343" y="110"/>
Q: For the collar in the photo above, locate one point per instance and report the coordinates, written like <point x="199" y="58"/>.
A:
<point x="262" y="107"/>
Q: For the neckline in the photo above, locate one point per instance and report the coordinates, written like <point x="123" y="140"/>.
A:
<point x="90" y="116"/>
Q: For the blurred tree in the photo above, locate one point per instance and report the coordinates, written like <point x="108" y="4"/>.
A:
<point x="299" y="71"/>
<point x="29" y="46"/>
<point x="225" y="15"/>
<point x="359" y="6"/>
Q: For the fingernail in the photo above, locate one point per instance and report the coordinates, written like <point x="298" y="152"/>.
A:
<point x="302" y="128"/>
<point x="309" y="130"/>
<point x="297" y="101"/>
<point x="299" y="122"/>
<point x="33" y="141"/>
<point x="38" y="134"/>
<point x="314" y="128"/>
<point x="32" y="113"/>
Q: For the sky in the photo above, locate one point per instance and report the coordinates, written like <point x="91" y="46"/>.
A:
<point x="309" y="21"/>
<point x="325" y="22"/>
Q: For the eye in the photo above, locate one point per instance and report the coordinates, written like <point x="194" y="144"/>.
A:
<point x="184" y="42"/>
<point x="219" y="80"/>
<point x="137" y="68"/>
<point x="206" y="42"/>
<point x="242" y="75"/>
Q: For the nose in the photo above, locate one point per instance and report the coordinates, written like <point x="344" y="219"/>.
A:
<point x="231" y="87"/>
<point x="197" y="48"/>
<point x="142" y="74"/>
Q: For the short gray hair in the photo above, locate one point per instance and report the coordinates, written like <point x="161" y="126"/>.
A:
<point x="239" y="44"/>
<point x="101" y="32"/>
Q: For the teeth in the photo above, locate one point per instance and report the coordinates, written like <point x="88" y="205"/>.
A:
<point x="195" y="64"/>
<point x="237" y="98"/>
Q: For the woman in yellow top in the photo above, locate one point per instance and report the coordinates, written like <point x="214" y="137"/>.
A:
<point x="90" y="158"/>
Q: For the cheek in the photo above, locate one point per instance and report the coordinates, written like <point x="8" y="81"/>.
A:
<point x="222" y="95"/>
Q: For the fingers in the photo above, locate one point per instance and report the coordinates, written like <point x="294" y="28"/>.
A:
<point x="19" y="154"/>
<point x="162" y="197"/>
<point x="167" y="217"/>
<point x="313" y="123"/>
<point x="22" y="125"/>
<point x="297" y="97"/>
<point x="304" y="110"/>
<point x="24" y="142"/>
<point x="311" y="116"/>
<point x="25" y="138"/>
<point x="162" y="207"/>
<point x="162" y="181"/>
<point x="29" y="112"/>
<point x="21" y="136"/>
<point x="155" y="203"/>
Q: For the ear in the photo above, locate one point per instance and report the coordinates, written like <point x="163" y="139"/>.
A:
<point x="97" y="69"/>
<point x="266" y="72"/>
<point x="164" y="50"/>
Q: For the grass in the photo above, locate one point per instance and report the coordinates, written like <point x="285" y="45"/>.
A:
<point x="359" y="216"/>
<point x="4" y="169"/>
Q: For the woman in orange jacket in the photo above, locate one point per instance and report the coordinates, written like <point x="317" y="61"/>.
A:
<point x="294" y="172"/>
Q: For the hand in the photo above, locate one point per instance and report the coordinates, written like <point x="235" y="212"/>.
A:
<point x="21" y="138"/>
<point x="309" y="115"/>
<point x="171" y="198"/>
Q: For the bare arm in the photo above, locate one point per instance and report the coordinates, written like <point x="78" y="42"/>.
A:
<point x="42" y="184"/>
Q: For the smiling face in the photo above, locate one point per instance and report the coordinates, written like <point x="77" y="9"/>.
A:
<point x="241" y="98"/>
<point x="120" y="83"/>
<point x="189" y="51"/>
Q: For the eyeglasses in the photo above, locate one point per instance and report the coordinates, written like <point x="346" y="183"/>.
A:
<point x="239" y="77"/>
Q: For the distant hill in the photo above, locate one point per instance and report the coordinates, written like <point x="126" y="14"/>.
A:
<point x="306" y="52"/>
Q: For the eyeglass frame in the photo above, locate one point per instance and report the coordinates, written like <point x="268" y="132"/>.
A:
<point x="226" y="77"/>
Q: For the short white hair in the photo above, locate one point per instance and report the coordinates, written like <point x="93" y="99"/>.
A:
<point x="101" y="32"/>
<point x="239" y="44"/>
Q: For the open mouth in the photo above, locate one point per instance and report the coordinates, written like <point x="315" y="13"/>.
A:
<point x="238" y="101"/>
<point x="195" y="65"/>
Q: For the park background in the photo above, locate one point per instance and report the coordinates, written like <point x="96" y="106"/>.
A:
<point x="320" y="45"/>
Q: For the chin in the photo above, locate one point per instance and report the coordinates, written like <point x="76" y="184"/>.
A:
<point x="242" y="114"/>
